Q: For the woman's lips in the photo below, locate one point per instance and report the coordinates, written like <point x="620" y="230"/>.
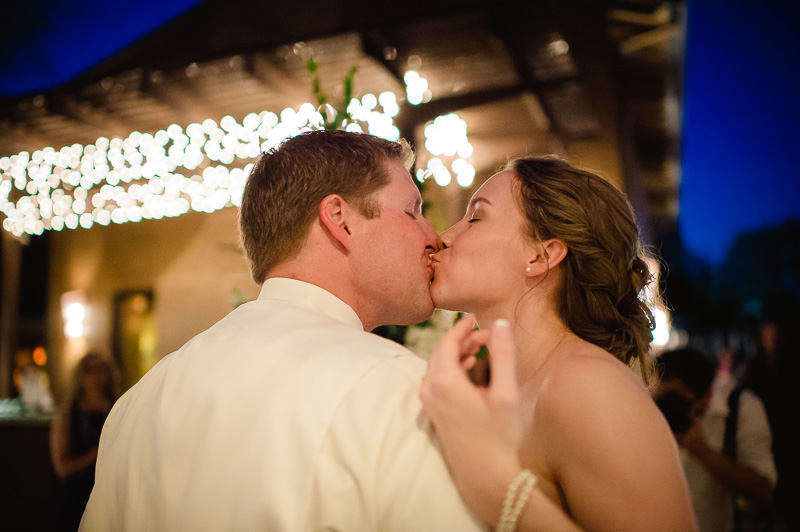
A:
<point x="432" y="267"/>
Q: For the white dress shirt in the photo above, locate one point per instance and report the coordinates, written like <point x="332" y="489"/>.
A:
<point x="283" y="416"/>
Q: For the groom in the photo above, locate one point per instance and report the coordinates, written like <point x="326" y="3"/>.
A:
<point x="287" y="415"/>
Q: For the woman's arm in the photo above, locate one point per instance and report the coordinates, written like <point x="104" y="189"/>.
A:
<point x="480" y="427"/>
<point x="64" y="464"/>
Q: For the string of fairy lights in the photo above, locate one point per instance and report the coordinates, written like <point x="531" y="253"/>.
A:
<point x="202" y="167"/>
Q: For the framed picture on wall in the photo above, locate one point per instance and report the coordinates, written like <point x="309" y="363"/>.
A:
<point x="134" y="340"/>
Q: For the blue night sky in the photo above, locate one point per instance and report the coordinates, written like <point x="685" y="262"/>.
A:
<point x="741" y="118"/>
<point x="741" y="96"/>
<point x="56" y="40"/>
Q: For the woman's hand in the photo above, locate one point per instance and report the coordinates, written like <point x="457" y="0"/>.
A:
<point x="479" y="426"/>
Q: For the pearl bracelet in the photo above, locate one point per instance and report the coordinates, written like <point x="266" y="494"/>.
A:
<point x="514" y="502"/>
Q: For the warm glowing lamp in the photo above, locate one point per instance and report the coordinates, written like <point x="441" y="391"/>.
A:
<point x="39" y="356"/>
<point x="73" y="311"/>
<point x="661" y="332"/>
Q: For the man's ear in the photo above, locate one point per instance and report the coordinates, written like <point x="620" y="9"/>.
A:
<point x="546" y="256"/>
<point x="335" y="215"/>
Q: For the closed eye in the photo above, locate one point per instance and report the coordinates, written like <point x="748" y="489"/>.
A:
<point x="473" y="220"/>
<point x="411" y="214"/>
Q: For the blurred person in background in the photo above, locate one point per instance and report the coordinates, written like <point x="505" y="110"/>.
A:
<point x="32" y="384"/>
<point x="75" y="435"/>
<point x="723" y="430"/>
<point x="772" y="374"/>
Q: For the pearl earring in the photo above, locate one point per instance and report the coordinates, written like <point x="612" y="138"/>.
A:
<point x="528" y="269"/>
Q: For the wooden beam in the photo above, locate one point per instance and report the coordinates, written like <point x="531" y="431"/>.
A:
<point x="83" y="112"/>
<point x="267" y="72"/>
<point x="179" y="95"/>
<point x="20" y="137"/>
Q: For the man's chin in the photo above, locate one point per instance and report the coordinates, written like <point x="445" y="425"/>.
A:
<point x="423" y="313"/>
<point x="427" y="313"/>
<point x="438" y="299"/>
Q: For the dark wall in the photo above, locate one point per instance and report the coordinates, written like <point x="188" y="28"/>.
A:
<point x="28" y="483"/>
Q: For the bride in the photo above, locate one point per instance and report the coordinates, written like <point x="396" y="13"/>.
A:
<point x="565" y="434"/>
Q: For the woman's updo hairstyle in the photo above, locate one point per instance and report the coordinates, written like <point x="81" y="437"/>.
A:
<point x="601" y="298"/>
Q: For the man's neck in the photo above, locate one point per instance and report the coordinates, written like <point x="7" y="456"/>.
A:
<point x="329" y="279"/>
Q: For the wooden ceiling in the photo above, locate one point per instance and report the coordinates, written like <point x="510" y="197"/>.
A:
<point x="536" y="77"/>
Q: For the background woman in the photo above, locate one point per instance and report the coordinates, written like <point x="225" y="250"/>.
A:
<point x="553" y="251"/>
<point x="75" y="435"/>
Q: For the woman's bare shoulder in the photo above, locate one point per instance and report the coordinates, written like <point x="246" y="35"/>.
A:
<point x="595" y="369"/>
<point x="589" y="387"/>
<point x="607" y="446"/>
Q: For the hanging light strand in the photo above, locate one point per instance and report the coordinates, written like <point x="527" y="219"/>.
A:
<point x="201" y="168"/>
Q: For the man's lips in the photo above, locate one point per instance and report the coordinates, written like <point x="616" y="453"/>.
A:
<point x="432" y="265"/>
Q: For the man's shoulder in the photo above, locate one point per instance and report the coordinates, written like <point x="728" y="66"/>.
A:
<point x="392" y="369"/>
<point x="391" y="361"/>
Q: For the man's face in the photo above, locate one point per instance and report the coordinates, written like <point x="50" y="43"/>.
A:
<point x="392" y="256"/>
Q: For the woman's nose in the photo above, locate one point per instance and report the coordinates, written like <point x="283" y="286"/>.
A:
<point x="443" y="240"/>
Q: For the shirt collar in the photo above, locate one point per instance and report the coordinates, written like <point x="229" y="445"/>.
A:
<point x="283" y="289"/>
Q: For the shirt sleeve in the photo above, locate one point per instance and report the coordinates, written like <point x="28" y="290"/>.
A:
<point x="754" y="438"/>
<point x="379" y="467"/>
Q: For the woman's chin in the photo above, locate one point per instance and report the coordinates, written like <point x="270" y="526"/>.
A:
<point x="441" y="299"/>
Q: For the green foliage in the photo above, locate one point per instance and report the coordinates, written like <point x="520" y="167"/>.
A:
<point x="483" y="352"/>
<point x="338" y="117"/>
<point x="395" y="333"/>
<point x="311" y="65"/>
<point x="333" y="117"/>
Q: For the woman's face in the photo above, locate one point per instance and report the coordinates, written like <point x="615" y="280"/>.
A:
<point x="482" y="258"/>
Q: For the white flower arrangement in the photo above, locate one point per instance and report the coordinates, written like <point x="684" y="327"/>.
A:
<point x="422" y="338"/>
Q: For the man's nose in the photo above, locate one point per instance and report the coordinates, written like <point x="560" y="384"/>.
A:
<point x="430" y="234"/>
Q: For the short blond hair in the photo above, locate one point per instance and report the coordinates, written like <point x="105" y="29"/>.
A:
<point x="282" y="196"/>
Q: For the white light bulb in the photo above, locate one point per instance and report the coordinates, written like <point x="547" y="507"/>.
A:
<point x="75" y="312"/>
